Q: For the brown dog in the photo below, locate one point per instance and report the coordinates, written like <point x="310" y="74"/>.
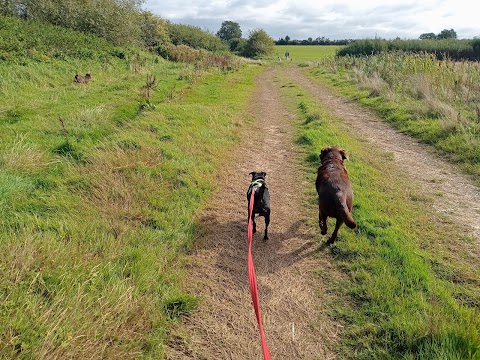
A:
<point x="82" y="79"/>
<point x="335" y="194"/>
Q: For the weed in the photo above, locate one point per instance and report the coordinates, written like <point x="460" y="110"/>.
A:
<point x="150" y="84"/>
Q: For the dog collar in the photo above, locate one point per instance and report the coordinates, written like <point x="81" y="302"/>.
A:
<point x="257" y="183"/>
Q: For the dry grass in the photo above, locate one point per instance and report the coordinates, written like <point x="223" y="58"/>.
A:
<point x="373" y="83"/>
<point x="25" y="157"/>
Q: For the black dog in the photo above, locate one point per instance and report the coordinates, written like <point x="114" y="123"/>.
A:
<point x="261" y="200"/>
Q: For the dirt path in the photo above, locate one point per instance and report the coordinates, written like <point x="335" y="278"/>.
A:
<point x="224" y="327"/>
<point x="452" y="193"/>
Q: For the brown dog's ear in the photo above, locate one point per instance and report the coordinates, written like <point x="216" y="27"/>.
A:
<point x="323" y="153"/>
<point x="344" y="154"/>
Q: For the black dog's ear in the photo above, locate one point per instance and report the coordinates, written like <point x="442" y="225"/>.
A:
<point x="253" y="172"/>
<point x="264" y="173"/>
<point x="344" y="154"/>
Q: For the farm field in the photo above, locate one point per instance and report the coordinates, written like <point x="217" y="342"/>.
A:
<point x="123" y="206"/>
<point x="306" y="53"/>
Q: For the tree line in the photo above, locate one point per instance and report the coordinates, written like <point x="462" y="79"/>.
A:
<point x="321" y="40"/>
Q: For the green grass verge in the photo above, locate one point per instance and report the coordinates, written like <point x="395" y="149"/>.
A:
<point x="404" y="294"/>
<point x="97" y="210"/>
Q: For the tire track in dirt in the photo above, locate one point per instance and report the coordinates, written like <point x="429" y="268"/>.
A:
<point x="224" y="326"/>
<point x="452" y="193"/>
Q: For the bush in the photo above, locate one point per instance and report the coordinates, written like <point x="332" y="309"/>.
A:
<point x="39" y="41"/>
<point x="201" y="58"/>
<point x="237" y="45"/>
<point x="447" y="48"/>
<point x="195" y="37"/>
<point x="258" y="44"/>
<point x="118" y="21"/>
<point x="154" y="32"/>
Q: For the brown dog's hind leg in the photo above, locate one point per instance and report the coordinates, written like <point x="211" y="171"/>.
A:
<point x="322" y="222"/>
<point x="334" y="234"/>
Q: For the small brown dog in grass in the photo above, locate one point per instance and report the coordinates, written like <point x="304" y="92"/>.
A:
<point x="335" y="194"/>
<point x="82" y="79"/>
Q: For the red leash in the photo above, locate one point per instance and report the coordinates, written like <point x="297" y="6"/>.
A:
<point x="253" y="279"/>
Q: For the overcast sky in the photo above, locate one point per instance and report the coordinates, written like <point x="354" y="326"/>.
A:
<point x="343" y="19"/>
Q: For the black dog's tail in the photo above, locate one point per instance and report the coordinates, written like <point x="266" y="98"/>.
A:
<point x="345" y="214"/>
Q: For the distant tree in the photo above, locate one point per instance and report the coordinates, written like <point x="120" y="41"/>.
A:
<point x="447" y="34"/>
<point x="287" y="39"/>
<point x="428" y="36"/>
<point x="229" y="30"/>
<point x="259" y="43"/>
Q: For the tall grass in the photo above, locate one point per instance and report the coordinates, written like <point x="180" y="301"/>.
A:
<point x="437" y="101"/>
<point x="403" y="293"/>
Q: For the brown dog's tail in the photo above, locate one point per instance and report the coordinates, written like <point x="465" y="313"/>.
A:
<point x="345" y="214"/>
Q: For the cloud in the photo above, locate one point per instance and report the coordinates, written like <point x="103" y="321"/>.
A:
<point x="333" y="19"/>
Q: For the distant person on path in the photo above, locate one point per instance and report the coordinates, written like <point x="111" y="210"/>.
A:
<point x="287" y="54"/>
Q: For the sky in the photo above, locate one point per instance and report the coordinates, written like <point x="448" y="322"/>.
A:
<point x="336" y="20"/>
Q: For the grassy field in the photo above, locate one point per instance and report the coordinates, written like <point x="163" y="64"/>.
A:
<point x="99" y="185"/>
<point x="305" y="53"/>
<point x="404" y="294"/>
